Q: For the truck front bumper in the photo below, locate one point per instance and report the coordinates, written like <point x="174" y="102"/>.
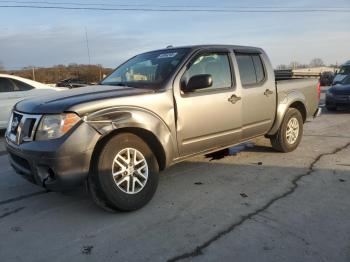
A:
<point x="341" y="101"/>
<point x="57" y="164"/>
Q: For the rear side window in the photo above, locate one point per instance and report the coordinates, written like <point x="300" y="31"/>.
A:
<point x="6" y="85"/>
<point x="251" y="69"/>
<point x="21" y="86"/>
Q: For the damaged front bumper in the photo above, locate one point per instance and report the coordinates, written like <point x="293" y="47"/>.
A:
<point x="56" y="164"/>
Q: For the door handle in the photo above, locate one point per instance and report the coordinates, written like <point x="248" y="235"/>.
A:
<point x="268" y="92"/>
<point x="233" y="99"/>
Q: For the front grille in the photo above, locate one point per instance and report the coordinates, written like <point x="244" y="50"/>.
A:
<point x="343" y="97"/>
<point x="341" y="93"/>
<point x="22" y="127"/>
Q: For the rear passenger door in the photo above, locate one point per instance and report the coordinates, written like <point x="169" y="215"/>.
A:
<point x="258" y="94"/>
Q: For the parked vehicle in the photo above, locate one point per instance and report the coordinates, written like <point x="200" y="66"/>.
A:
<point x="326" y="78"/>
<point x="71" y="83"/>
<point x="343" y="72"/>
<point x="14" y="89"/>
<point x="339" y="95"/>
<point x="156" y="109"/>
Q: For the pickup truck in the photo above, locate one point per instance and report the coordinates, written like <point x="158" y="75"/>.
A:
<point x="156" y="109"/>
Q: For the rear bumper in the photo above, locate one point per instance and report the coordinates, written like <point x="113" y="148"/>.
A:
<point x="318" y="112"/>
<point x="57" y="164"/>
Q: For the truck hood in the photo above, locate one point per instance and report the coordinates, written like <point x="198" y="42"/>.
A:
<point x="62" y="101"/>
<point x="340" y="89"/>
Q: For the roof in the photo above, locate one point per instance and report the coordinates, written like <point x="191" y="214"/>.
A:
<point x="193" y="47"/>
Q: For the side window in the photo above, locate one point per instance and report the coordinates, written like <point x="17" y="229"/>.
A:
<point x="6" y="85"/>
<point x="215" y="64"/>
<point x="251" y="69"/>
<point x="21" y="86"/>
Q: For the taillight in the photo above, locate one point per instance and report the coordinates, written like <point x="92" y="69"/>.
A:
<point x="319" y="90"/>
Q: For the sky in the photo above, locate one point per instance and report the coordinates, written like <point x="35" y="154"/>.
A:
<point x="46" y="37"/>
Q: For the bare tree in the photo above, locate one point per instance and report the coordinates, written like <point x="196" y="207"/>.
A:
<point x="294" y="65"/>
<point x="297" y="65"/>
<point x="316" y="62"/>
<point x="282" y="67"/>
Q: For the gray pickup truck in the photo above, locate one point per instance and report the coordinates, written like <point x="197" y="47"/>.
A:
<point x="156" y="109"/>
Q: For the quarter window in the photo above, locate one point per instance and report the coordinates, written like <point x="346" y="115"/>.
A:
<point x="215" y="64"/>
<point x="21" y="86"/>
<point x="259" y="68"/>
<point x="251" y="69"/>
<point x="6" y="85"/>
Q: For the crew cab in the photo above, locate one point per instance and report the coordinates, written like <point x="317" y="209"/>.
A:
<point x="156" y="109"/>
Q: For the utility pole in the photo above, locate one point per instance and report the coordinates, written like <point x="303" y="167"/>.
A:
<point x="100" y="72"/>
<point x="87" y="45"/>
<point x="33" y="71"/>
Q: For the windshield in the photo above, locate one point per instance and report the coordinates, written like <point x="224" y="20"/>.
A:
<point x="149" y="70"/>
<point x="344" y="70"/>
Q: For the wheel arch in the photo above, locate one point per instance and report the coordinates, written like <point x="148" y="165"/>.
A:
<point x="148" y="137"/>
<point x="293" y="100"/>
<point x="301" y="108"/>
<point x="146" y="125"/>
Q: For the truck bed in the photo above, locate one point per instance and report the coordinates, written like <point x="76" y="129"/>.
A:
<point x="306" y="86"/>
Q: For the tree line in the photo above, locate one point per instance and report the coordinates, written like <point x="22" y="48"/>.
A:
<point x="316" y="62"/>
<point x="88" y="73"/>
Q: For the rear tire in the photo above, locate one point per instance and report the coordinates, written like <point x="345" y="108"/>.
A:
<point x="289" y="135"/>
<point x="124" y="176"/>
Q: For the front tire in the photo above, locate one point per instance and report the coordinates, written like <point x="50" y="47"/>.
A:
<point x="124" y="176"/>
<point x="290" y="132"/>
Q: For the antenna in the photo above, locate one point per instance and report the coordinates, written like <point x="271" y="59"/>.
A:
<point x="87" y="45"/>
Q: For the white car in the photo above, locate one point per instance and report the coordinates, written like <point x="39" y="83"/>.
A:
<point x="14" y="89"/>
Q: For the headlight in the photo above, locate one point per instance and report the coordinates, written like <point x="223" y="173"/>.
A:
<point x="55" y="126"/>
<point x="9" y="123"/>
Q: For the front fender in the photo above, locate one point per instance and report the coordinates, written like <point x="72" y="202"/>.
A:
<point x="284" y="102"/>
<point x="107" y="120"/>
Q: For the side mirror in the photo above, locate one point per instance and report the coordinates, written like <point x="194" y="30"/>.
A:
<point x="198" y="82"/>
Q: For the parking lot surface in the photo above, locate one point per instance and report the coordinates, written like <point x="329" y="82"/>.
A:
<point x="252" y="205"/>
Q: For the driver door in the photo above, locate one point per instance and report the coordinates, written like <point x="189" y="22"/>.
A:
<point x="208" y="118"/>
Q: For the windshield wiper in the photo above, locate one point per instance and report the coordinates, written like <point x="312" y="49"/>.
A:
<point x="126" y="84"/>
<point x="117" y="84"/>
